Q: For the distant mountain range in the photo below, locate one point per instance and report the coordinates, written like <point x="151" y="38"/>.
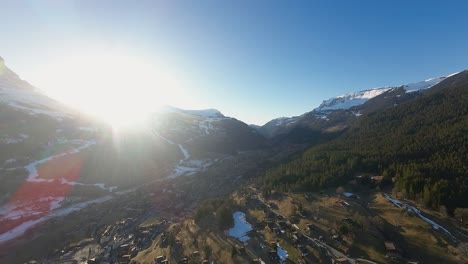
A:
<point x="339" y="112"/>
<point x="31" y="122"/>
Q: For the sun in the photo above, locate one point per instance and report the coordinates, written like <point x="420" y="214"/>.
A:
<point x="118" y="88"/>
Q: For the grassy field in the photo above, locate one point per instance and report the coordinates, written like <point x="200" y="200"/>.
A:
<point x="372" y="221"/>
<point x="188" y="238"/>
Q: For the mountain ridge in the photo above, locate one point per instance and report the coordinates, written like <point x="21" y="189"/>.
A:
<point x="346" y="105"/>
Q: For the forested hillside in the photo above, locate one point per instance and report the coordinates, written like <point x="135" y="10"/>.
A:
<point x="422" y="144"/>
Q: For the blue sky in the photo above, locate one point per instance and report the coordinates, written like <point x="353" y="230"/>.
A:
<point x="253" y="60"/>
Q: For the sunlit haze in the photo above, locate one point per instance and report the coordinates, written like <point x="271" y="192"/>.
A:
<point x="118" y="88"/>
<point x="252" y="60"/>
<point x="233" y="131"/>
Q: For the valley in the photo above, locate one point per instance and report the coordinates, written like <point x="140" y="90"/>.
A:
<point x="375" y="176"/>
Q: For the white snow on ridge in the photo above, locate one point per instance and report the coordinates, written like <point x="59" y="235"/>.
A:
<point x="204" y="112"/>
<point x="22" y="96"/>
<point x="32" y="110"/>
<point x="349" y="100"/>
<point x="413" y="87"/>
<point x="285" y="120"/>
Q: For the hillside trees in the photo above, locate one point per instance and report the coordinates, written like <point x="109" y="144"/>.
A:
<point x="421" y="144"/>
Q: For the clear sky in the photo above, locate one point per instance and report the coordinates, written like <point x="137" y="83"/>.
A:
<point x="253" y="60"/>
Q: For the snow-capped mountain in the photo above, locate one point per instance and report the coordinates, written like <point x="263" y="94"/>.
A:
<point x="203" y="112"/>
<point x="207" y="130"/>
<point x="349" y="100"/>
<point x="22" y="96"/>
<point x="50" y="151"/>
<point x="335" y="114"/>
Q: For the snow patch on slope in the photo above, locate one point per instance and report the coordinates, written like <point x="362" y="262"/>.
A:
<point x="21" y="229"/>
<point x="241" y="227"/>
<point x="207" y="124"/>
<point x="186" y="166"/>
<point x="281" y="121"/>
<point x="204" y="112"/>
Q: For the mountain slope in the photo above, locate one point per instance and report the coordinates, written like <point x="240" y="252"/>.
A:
<point x="422" y="143"/>
<point x="349" y="100"/>
<point x="339" y="112"/>
<point x="52" y="156"/>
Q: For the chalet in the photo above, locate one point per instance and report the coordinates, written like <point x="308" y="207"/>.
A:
<point x="90" y="261"/>
<point x="376" y="179"/>
<point x="392" y="252"/>
<point x="310" y="227"/>
<point x="273" y="245"/>
<point x="297" y="237"/>
<point x="276" y="231"/>
<point x="294" y="219"/>
<point x="303" y="250"/>
<point x="159" y="259"/>
<point x="340" y="261"/>
<point x="125" y="258"/>
<point x="350" y="195"/>
<point x="241" y="250"/>
<point x="297" y="234"/>
<point x="270" y="224"/>
<point x="134" y="252"/>
<point x="283" y="224"/>
<point x="124" y="247"/>
<point x="389" y="246"/>
<point x="273" y="255"/>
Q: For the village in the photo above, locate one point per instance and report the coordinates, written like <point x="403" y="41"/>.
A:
<point x="156" y="224"/>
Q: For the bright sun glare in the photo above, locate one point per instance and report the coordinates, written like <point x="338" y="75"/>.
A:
<point x="119" y="89"/>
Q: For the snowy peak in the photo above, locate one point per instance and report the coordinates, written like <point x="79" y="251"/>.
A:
<point x="204" y="112"/>
<point x="19" y="94"/>
<point x="9" y="79"/>
<point x="349" y="100"/>
<point x="413" y="87"/>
